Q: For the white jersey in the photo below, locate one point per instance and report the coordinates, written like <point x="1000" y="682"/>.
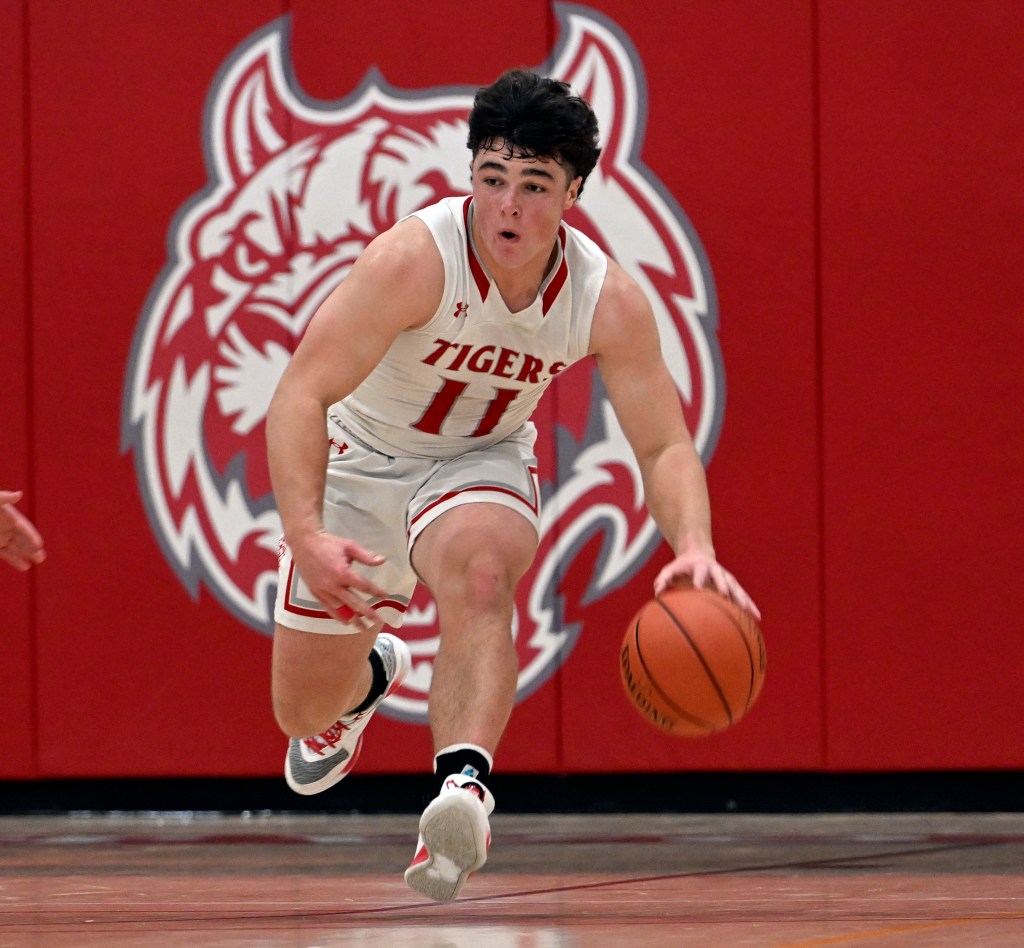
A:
<point x="475" y="372"/>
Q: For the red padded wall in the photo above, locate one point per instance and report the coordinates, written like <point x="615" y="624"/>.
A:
<point x="730" y="132"/>
<point x="854" y="178"/>
<point x="17" y="736"/>
<point x="134" y="676"/>
<point x="922" y="201"/>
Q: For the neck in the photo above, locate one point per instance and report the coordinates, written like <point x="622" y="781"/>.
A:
<point x="518" y="286"/>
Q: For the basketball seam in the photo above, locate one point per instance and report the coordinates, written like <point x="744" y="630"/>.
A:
<point x="746" y="644"/>
<point x="700" y="657"/>
<point x="680" y="712"/>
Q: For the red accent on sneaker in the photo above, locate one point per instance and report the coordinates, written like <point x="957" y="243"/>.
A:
<point x="329" y="738"/>
<point x="452" y="783"/>
<point x="421" y="856"/>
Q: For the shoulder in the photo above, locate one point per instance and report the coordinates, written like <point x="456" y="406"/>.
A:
<point x="449" y="212"/>
<point x="405" y="265"/>
<point x="407" y="247"/>
<point x="623" y="317"/>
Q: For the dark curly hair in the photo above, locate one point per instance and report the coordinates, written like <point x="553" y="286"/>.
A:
<point x="532" y="116"/>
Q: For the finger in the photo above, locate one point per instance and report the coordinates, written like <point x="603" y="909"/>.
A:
<point x="357" y="605"/>
<point x="26" y="554"/>
<point x="15" y="560"/>
<point x="24" y="544"/>
<point x="364" y="624"/>
<point x="667" y="578"/>
<point x="348" y="616"/>
<point x="747" y="603"/>
<point x="700" y="575"/>
<point x="10" y="496"/>
<point x="742" y="598"/>
<point x="361" y="555"/>
<point x="363" y="585"/>
<point x="367" y="587"/>
<point x="19" y="526"/>
<point x="723" y="581"/>
<point x="673" y="576"/>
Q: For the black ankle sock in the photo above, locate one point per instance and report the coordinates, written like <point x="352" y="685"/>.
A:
<point x="377" y="686"/>
<point x="456" y="762"/>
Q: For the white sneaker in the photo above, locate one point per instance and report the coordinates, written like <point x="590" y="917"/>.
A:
<point x="315" y="763"/>
<point x="454" y="838"/>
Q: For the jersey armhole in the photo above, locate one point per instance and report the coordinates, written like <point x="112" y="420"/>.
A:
<point x="585" y="302"/>
<point x="433" y="224"/>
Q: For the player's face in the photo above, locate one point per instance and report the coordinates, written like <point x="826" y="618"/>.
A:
<point x="518" y="204"/>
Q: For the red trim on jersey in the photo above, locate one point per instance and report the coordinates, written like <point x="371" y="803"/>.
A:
<point x="558" y="280"/>
<point x="483" y="285"/>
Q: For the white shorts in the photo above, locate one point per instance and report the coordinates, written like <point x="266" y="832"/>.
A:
<point x="383" y="503"/>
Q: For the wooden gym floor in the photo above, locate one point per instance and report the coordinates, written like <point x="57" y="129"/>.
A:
<point x="553" y="881"/>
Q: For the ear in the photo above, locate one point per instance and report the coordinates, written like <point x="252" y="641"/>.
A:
<point x="248" y="121"/>
<point x="573" y="193"/>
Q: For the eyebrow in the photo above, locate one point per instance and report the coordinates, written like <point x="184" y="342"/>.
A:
<point x="531" y="170"/>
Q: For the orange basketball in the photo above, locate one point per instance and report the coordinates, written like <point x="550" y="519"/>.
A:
<point x="692" y="662"/>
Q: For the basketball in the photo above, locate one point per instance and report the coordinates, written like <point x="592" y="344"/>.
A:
<point x="692" y="662"/>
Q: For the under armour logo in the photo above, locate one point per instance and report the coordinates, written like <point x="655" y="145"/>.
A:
<point x="460" y="309"/>
<point x="342" y="446"/>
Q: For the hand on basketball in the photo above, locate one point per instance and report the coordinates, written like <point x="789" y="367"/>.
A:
<point x="325" y="564"/>
<point x="20" y="542"/>
<point x="702" y="569"/>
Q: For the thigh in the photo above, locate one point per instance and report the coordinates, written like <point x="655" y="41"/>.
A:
<point x="475" y="547"/>
<point x="302" y="655"/>
<point x="503" y="475"/>
<point x="308" y="666"/>
<point x="477" y="512"/>
<point x="366" y="498"/>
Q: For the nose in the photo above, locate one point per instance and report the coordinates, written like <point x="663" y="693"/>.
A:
<point x="510" y="205"/>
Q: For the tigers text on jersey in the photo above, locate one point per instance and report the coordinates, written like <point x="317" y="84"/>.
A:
<point x="475" y="372"/>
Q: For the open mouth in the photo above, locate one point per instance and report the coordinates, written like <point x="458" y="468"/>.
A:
<point x="508" y="235"/>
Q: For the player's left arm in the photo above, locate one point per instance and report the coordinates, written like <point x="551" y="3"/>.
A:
<point x="625" y="342"/>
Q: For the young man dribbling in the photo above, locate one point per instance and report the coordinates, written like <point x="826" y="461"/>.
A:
<point x="401" y="450"/>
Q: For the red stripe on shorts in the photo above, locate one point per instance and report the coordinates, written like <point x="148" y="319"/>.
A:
<point x="323" y="613"/>
<point x="490" y="489"/>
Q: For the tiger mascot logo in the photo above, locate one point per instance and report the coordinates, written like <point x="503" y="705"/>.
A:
<point x="296" y="190"/>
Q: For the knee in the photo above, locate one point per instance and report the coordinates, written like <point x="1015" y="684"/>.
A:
<point x="315" y="678"/>
<point x="295" y="718"/>
<point x="309" y="711"/>
<point x="487" y="584"/>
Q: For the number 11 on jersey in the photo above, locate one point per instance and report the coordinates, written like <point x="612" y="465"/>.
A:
<point x="448" y="394"/>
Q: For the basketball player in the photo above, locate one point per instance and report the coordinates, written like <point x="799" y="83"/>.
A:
<point x="20" y="542"/>
<point x="424" y="365"/>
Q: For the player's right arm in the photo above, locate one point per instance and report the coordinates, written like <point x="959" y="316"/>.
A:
<point x="395" y="284"/>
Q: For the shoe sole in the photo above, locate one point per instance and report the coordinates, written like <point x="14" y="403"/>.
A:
<point x="455" y="834"/>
